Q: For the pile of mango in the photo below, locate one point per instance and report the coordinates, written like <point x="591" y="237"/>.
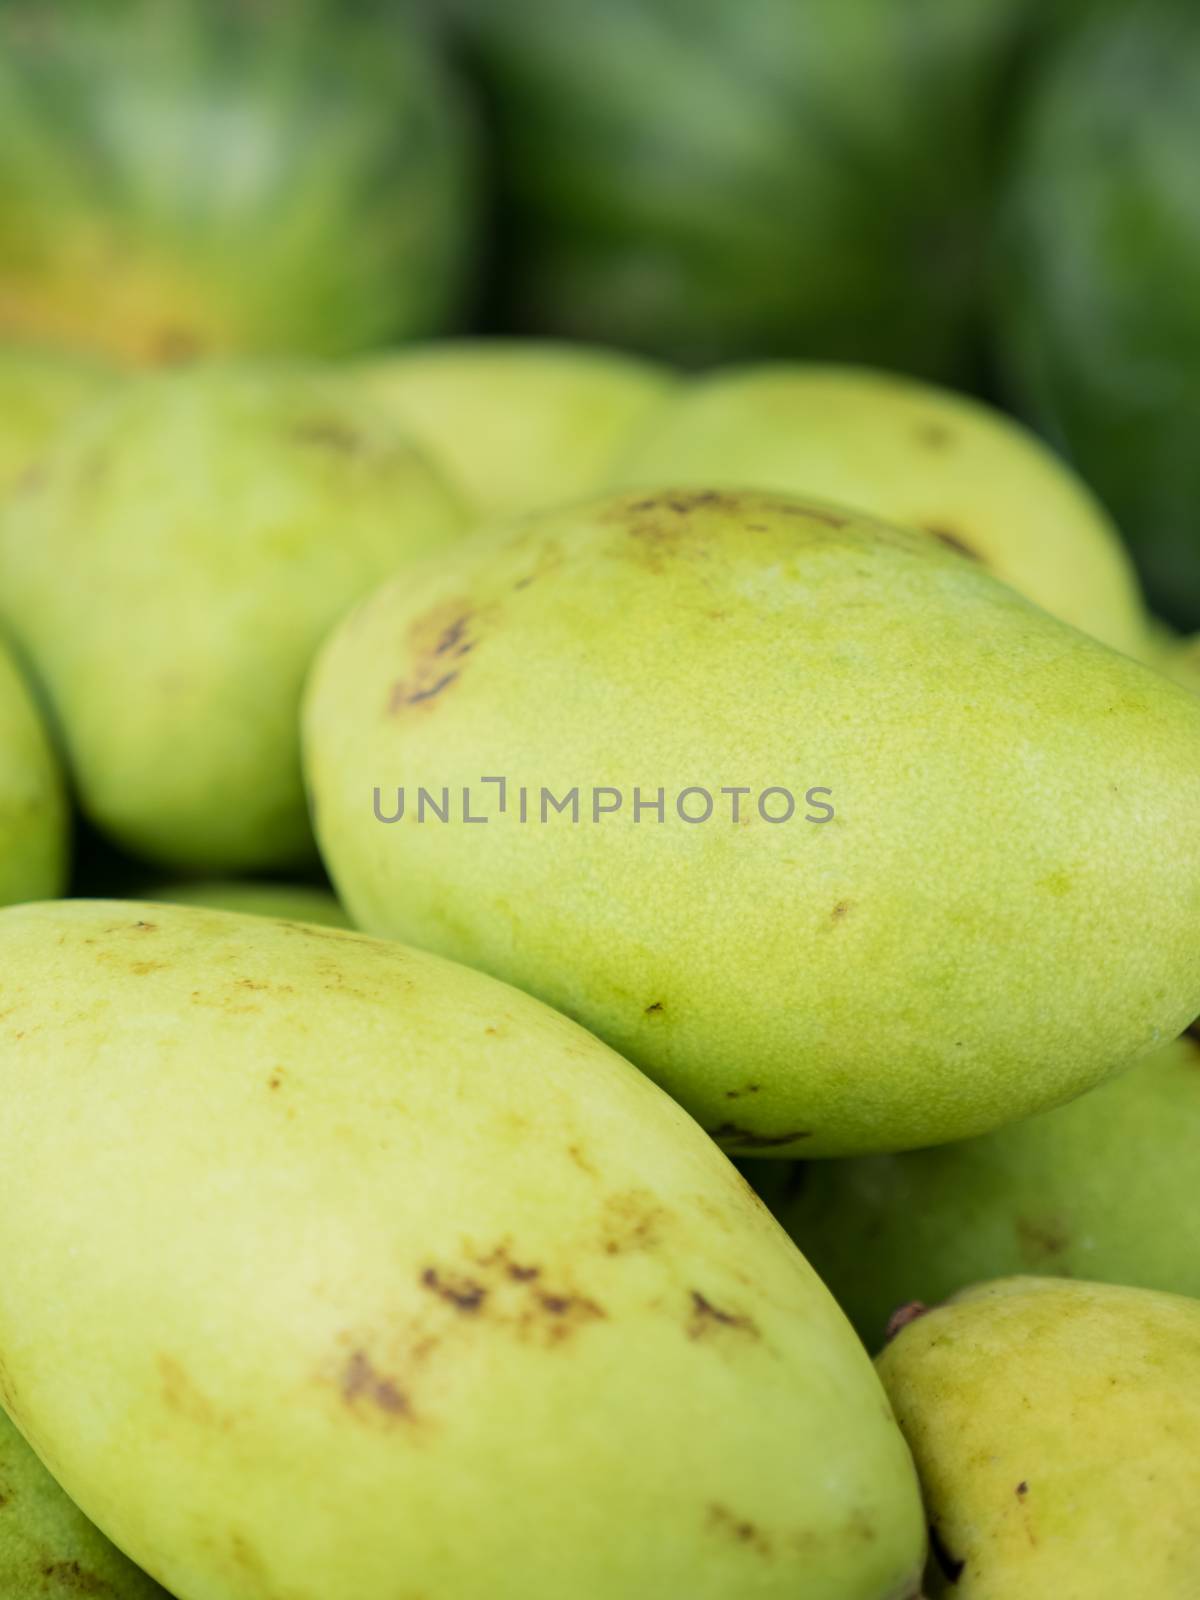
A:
<point x="599" y="876"/>
<point x="776" y="768"/>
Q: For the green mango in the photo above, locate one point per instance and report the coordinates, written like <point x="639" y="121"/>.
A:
<point x="517" y="425"/>
<point x="1101" y="1188"/>
<point x="34" y="816"/>
<point x="295" y="902"/>
<point x="1056" y="1429"/>
<point x="48" y="1548"/>
<point x="183" y="178"/>
<point x="912" y="926"/>
<point x="214" y="524"/>
<point x="334" y="1269"/>
<point x="912" y="454"/>
<point x="39" y="391"/>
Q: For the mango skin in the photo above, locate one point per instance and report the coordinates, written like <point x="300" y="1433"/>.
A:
<point x="1103" y="1188"/>
<point x="1183" y="663"/>
<point x="1056" y="1427"/>
<point x="295" y="902"/>
<point x="517" y="425"/>
<point x="34" y="816"/>
<point x="463" y="1285"/>
<point x="39" y="392"/>
<point x="215" y="524"/>
<point x="914" y="454"/>
<point x="48" y="1548"/>
<point x="948" y="954"/>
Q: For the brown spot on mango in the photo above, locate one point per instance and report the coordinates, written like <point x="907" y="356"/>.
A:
<point x="361" y="1382"/>
<point x="707" y="1317"/>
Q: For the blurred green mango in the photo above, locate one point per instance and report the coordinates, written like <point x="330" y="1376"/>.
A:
<point x="183" y="177"/>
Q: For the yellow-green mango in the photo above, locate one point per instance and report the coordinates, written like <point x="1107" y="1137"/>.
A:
<point x="295" y="902"/>
<point x="39" y="392"/>
<point x="169" y="572"/>
<point x="1102" y="1188"/>
<point x="936" y="939"/>
<point x="1056" y="1428"/>
<point x="914" y="454"/>
<point x="517" y="425"/>
<point x="48" y="1548"/>
<point x="34" y="819"/>
<point x="333" y="1269"/>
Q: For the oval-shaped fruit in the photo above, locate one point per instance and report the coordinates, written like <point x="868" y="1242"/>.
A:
<point x="294" y="902"/>
<point x="334" y="1269"/>
<point x="212" y="526"/>
<point x="517" y="425"/>
<point x="913" y="454"/>
<point x="207" y="177"/>
<point x="48" y="1548"/>
<point x="39" y="392"/>
<point x="34" y="817"/>
<point x="716" y="180"/>
<point x="1102" y="1188"/>
<point x="1097" y="237"/>
<point x="907" y="818"/>
<point x="1056" y="1428"/>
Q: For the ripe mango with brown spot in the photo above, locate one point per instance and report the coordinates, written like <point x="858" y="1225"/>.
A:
<point x="170" y="570"/>
<point x="915" y="454"/>
<point x="1056" y="1428"/>
<point x="334" y="1269"/>
<point x="990" y="903"/>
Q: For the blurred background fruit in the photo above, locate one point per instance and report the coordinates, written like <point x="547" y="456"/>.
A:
<point x="214" y="523"/>
<point x="38" y="392"/>
<point x="1099" y="315"/>
<point x="517" y="425"/>
<point x="699" y="180"/>
<point x="188" y="177"/>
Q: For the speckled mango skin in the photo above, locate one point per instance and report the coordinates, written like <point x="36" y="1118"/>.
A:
<point x="48" y="1548"/>
<point x="34" y="823"/>
<point x="517" y="425"/>
<point x="39" y="393"/>
<point x="333" y="1269"/>
<point x="951" y="952"/>
<point x="214" y="525"/>
<point x="1056" y="1428"/>
<point x="915" y="454"/>
<point x="1103" y="1188"/>
<point x="295" y="902"/>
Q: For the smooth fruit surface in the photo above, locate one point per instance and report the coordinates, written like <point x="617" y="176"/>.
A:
<point x="39" y="392"/>
<point x="214" y="525"/>
<point x="1102" y="1188"/>
<point x="517" y="426"/>
<point x="913" y="454"/>
<point x="295" y="1218"/>
<point x="1056" y="1429"/>
<point x="996" y="801"/>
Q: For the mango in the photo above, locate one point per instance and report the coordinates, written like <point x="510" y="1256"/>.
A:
<point x="334" y="1269"/>
<point x="169" y="572"/>
<point x="914" y="454"/>
<point x="829" y="831"/>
